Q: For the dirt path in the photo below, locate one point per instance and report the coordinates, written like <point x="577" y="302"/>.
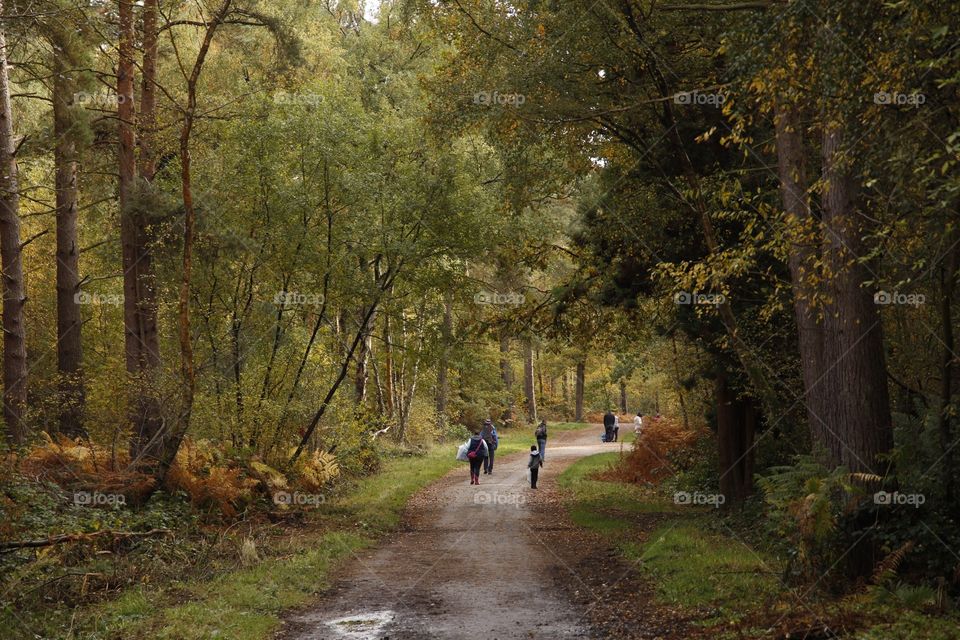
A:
<point x="467" y="564"/>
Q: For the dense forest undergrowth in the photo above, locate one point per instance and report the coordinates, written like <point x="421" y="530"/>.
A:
<point x="264" y="263"/>
<point x="206" y="573"/>
<point x="715" y="574"/>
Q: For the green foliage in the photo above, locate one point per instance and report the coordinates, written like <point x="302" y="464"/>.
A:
<point x="907" y="596"/>
<point x="692" y="568"/>
<point x="222" y="593"/>
<point x="602" y="505"/>
<point x="909" y="625"/>
<point x="806" y="502"/>
<point x="345" y="166"/>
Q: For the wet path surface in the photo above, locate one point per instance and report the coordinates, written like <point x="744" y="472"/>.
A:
<point x="468" y="565"/>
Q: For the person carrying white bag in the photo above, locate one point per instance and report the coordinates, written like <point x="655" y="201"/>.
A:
<point x="476" y="451"/>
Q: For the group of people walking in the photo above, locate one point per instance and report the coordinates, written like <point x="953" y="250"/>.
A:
<point x="480" y="451"/>
<point x="611" y="425"/>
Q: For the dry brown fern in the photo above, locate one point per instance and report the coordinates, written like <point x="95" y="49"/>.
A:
<point x="887" y="569"/>
<point x="650" y="459"/>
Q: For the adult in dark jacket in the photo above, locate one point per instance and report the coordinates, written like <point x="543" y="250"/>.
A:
<point x="476" y="452"/>
<point x="489" y="435"/>
<point x="608" y="421"/>
<point x="541" y="435"/>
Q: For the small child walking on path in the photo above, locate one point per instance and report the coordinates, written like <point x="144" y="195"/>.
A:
<point x="534" y="465"/>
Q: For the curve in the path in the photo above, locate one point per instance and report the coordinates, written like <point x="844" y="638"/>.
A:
<point x="467" y="566"/>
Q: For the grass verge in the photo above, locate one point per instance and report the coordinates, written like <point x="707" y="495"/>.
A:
<point x="691" y="567"/>
<point x="695" y="567"/>
<point x="246" y="600"/>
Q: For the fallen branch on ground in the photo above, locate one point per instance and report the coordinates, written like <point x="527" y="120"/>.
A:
<point x="77" y="537"/>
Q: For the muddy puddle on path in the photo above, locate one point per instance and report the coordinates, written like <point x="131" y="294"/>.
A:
<point x="467" y="563"/>
<point x="361" y="626"/>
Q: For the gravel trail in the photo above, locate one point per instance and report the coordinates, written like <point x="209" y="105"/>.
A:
<point x="466" y="565"/>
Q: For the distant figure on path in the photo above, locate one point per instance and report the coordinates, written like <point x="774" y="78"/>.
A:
<point x="489" y="434"/>
<point x="534" y="465"/>
<point x="608" y="421"/>
<point x="638" y="423"/>
<point x="476" y="452"/>
<point x="541" y="435"/>
<point x="616" y="426"/>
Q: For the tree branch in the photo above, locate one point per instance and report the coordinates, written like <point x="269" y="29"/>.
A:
<point x="6" y="547"/>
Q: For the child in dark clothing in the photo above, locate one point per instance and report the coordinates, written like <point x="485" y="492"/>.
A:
<point x="534" y="465"/>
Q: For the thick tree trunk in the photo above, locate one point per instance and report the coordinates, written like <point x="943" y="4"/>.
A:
<point x="857" y="414"/>
<point x="188" y="381"/>
<point x="623" y="395"/>
<point x="948" y="279"/>
<point x="736" y="425"/>
<point x="803" y="231"/>
<point x="400" y="385"/>
<point x="141" y="340"/>
<point x="147" y="124"/>
<point x="578" y="393"/>
<point x="529" y="391"/>
<point x="69" y="346"/>
<point x="14" y="339"/>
